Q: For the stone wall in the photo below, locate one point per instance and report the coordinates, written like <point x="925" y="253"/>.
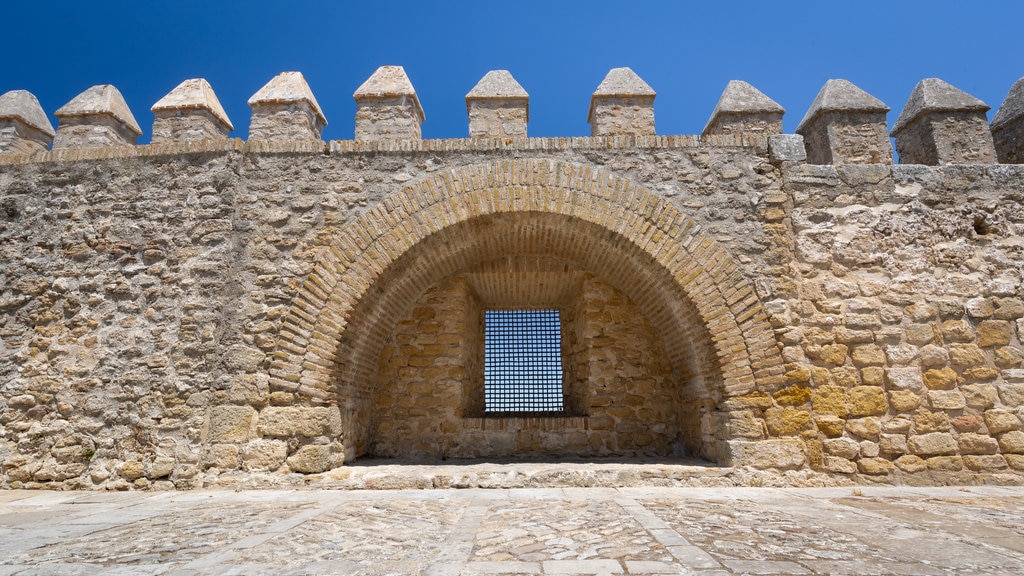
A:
<point x="179" y="313"/>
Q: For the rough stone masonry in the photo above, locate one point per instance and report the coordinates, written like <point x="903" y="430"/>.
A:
<point x="203" y="307"/>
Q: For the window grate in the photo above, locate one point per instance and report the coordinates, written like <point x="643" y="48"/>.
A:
<point x="522" y="361"/>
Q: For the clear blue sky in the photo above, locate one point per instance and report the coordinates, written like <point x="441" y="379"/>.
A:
<point x="558" y="51"/>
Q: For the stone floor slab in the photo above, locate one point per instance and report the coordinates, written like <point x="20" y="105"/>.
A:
<point x="474" y="532"/>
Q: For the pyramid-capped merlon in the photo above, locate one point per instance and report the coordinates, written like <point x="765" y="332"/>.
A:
<point x="935" y="95"/>
<point x="287" y="87"/>
<point x="623" y="82"/>
<point x="193" y="94"/>
<point x="389" y="81"/>
<point x="741" y="97"/>
<point x="497" y="84"/>
<point x="101" y="99"/>
<point x="23" y="105"/>
<point x="1012" y="107"/>
<point x="841" y="95"/>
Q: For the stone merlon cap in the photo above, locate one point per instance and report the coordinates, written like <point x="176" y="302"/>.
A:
<point x="498" y="85"/>
<point x="284" y="88"/>
<point x="194" y="94"/>
<point x="23" y="105"/>
<point x="935" y="95"/>
<point x="620" y="83"/>
<point x="740" y="97"/>
<point x="386" y="82"/>
<point x="1012" y="107"/>
<point x="100" y="99"/>
<point x="841" y="95"/>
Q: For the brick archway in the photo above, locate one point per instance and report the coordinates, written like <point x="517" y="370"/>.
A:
<point x="707" y="312"/>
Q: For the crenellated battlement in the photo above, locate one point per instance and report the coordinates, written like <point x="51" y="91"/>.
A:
<point x="939" y="123"/>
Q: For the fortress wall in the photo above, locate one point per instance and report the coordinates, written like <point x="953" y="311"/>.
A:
<point x="187" y="313"/>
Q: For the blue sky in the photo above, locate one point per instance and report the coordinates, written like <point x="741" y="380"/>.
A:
<point x="558" y="51"/>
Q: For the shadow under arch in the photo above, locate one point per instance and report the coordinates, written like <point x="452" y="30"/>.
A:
<point x="715" y="333"/>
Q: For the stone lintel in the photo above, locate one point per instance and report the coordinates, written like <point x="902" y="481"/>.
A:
<point x="387" y="107"/>
<point x="98" y="117"/>
<point x="24" y="126"/>
<point x="498" y="107"/>
<point x="622" y="105"/>
<point x="190" y="104"/>
<point x="744" y="109"/>
<point x="846" y="125"/>
<point x="1008" y="126"/>
<point x="942" y="124"/>
<point x="285" y="109"/>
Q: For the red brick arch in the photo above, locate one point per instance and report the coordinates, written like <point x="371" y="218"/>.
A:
<point x="714" y="329"/>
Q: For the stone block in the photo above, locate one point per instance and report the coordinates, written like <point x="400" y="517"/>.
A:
<point x="842" y="447"/>
<point x="868" y="355"/>
<point x="387" y="107"/>
<point x="786" y="148"/>
<point x="792" y="395"/>
<point x="971" y="443"/>
<point x="1012" y="442"/>
<point x="24" y="127"/>
<point x="985" y="463"/>
<point x="845" y="125"/>
<point x="932" y="355"/>
<point x="829" y="400"/>
<point x="944" y="379"/>
<point x="927" y="421"/>
<point x="837" y="464"/>
<point x="934" y="443"/>
<point x="310" y="459"/>
<point x="945" y="463"/>
<point x="295" y="421"/>
<point x="981" y="396"/>
<point x="867" y="428"/>
<point x="868" y="401"/>
<point x="998" y="421"/>
<point x="743" y="109"/>
<point x="498" y="107"/>
<point x="264" y="455"/>
<point x="1008" y="308"/>
<point x="787" y="421"/>
<point x="967" y="422"/>
<point x="743" y="424"/>
<point x="131" y="470"/>
<point x="911" y="464"/>
<point x="946" y="400"/>
<point x="994" y="333"/>
<point x="908" y="378"/>
<point x="875" y="466"/>
<point x="829" y="425"/>
<point x="941" y="124"/>
<point x="1011" y="395"/>
<point x="892" y="444"/>
<point x="230" y="423"/>
<point x="966" y="355"/>
<point x="622" y="105"/>
<point x="778" y="454"/>
<point x="161" y="467"/>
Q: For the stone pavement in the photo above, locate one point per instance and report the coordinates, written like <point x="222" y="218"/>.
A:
<point x="641" y="530"/>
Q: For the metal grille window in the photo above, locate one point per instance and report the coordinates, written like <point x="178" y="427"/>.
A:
<point x="522" y="361"/>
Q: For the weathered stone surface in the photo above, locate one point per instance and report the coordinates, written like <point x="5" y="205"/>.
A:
<point x="288" y="421"/>
<point x="743" y="109"/>
<point x="1012" y="442"/>
<point x="98" y="117"/>
<point x="932" y="444"/>
<point x="264" y="455"/>
<point x="231" y="423"/>
<point x="779" y="454"/>
<point x="866" y="428"/>
<point x="786" y="148"/>
<point x="190" y="112"/>
<point x="978" y="444"/>
<point x="387" y="107"/>
<point x="941" y="124"/>
<point x="998" y="421"/>
<point x="1008" y="126"/>
<point x="845" y="125"/>
<point x="285" y="109"/>
<point x="498" y="107"/>
<point x="24" y="127"/>
<point x="622" y="105"/>
<point x="868" y="401"/>
<point x="875" y="466"/>
<point x="946" y="400"/>
<point x="842" y="447"/>
<point x="311" y="459"/>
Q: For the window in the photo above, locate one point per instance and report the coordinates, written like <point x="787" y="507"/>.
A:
<point x="522" y="361"/>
